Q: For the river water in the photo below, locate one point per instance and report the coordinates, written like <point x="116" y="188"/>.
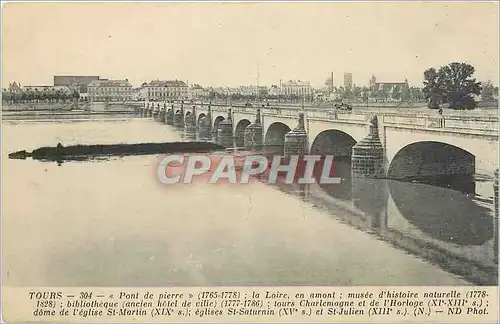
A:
<point x="112" y="223"/>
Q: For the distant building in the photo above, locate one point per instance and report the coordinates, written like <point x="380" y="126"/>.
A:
<point x="74" y="81"/>
<point x="274" y="91"/>
<point x="109" y="90"/>
<point x="195" y="91"/>
<point x="135" y="94"/>
<point x="220" y="91"/>
<point x="330" y="82"/>
<point x="348" y="80"/>
<point x="159" y="90"/>
<point x="296" y="88"/>
<point x="389" y="90"/>
<point x="14" y="87"/>
<point x="248" y="90"/>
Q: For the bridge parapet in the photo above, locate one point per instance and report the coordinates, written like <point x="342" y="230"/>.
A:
<point x="220" y="108"/>
<point x="425" y="120"/>
<point x="486" y="124"/>
<point x="242" y="109"/>
<point x="466" y="125"/>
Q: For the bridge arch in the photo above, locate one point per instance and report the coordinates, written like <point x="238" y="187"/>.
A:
<point x="432" y="185"/>
<point x="275" y="135"/>
<point x="239" y="132"/>
<point x="200" y="117"/>
<point x="217" y="121"/>
<point x="436" y="163"/>
<point x="333" y="142"/>
<point x="483" y="147"/>
<point x="339" y="144"/>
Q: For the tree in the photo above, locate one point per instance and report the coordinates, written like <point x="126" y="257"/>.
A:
<point x="7" y="96"/>
<point x="356" y="92"/>
<point x="18" y="97"/>
<point x="396" y="93"/>
<point x="383" y="93"/>
<point x="75" y="95"/>
<point x="452" y="84"/>
<point x="416" y="94"/>
<point x="347" y="93"/>
<point x="365" y="95"/>
<point x="432" y="90"/>
<point x="459" y="86"/>
<point x="488" y="92"/>
<point x="405" y="94"/>
<point x="263" y="93"/>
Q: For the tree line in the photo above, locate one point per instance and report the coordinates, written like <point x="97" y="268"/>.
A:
<point x="36" y="96"/>
<point x="213" y="95"/>
<point x="382" y="93"/>
<point x="454" y="85"/>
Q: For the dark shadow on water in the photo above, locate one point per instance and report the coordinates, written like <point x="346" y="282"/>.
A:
<point x="443" y="214"/>
<point x="451" y="222"/>
<point x="341" y="167"/>
<point x="461" y="183"/>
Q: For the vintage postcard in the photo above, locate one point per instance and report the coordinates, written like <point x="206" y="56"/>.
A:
<point x="250" y="162"/>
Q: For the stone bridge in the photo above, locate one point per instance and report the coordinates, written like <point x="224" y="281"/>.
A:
<point x="374" y="152"/>
<point x="388" y="145"/>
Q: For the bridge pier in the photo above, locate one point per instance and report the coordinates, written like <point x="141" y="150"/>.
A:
<point x="225" y="136"/>
<point x="150" y="111"/>
<point x="156" y="111"/>
<point x="169" y="116"/>
<point x="368" y="155"/>
<point x="369" y="189"/>
<point x="179" y="118"/>
<point x="253" y="133"/>
<point x="161" y="116"/>
<point x="296" y="140"/>
<point x="205" y="126"/>
<point x="370" y="196"/>
<point x="190" y="125"/>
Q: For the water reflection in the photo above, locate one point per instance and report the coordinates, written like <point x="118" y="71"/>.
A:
<point x="342" y="168"/>
<point x="442" y="219"/>
<point x="239" y="140"/>
<point x="446" y="227"/>
<point x="458" y="182"/>
<point x="190" y="133"/>
<point x="443" y="214"/>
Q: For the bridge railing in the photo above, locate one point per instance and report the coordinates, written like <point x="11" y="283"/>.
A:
<point x="472" y="125"/>
<point x="484" y="124"/>
<point x="465" y="123"/>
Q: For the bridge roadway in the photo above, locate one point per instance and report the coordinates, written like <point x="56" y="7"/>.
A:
<point x="415" y="142"/>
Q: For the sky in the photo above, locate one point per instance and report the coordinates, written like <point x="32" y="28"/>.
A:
<point x="230" y="44"/>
